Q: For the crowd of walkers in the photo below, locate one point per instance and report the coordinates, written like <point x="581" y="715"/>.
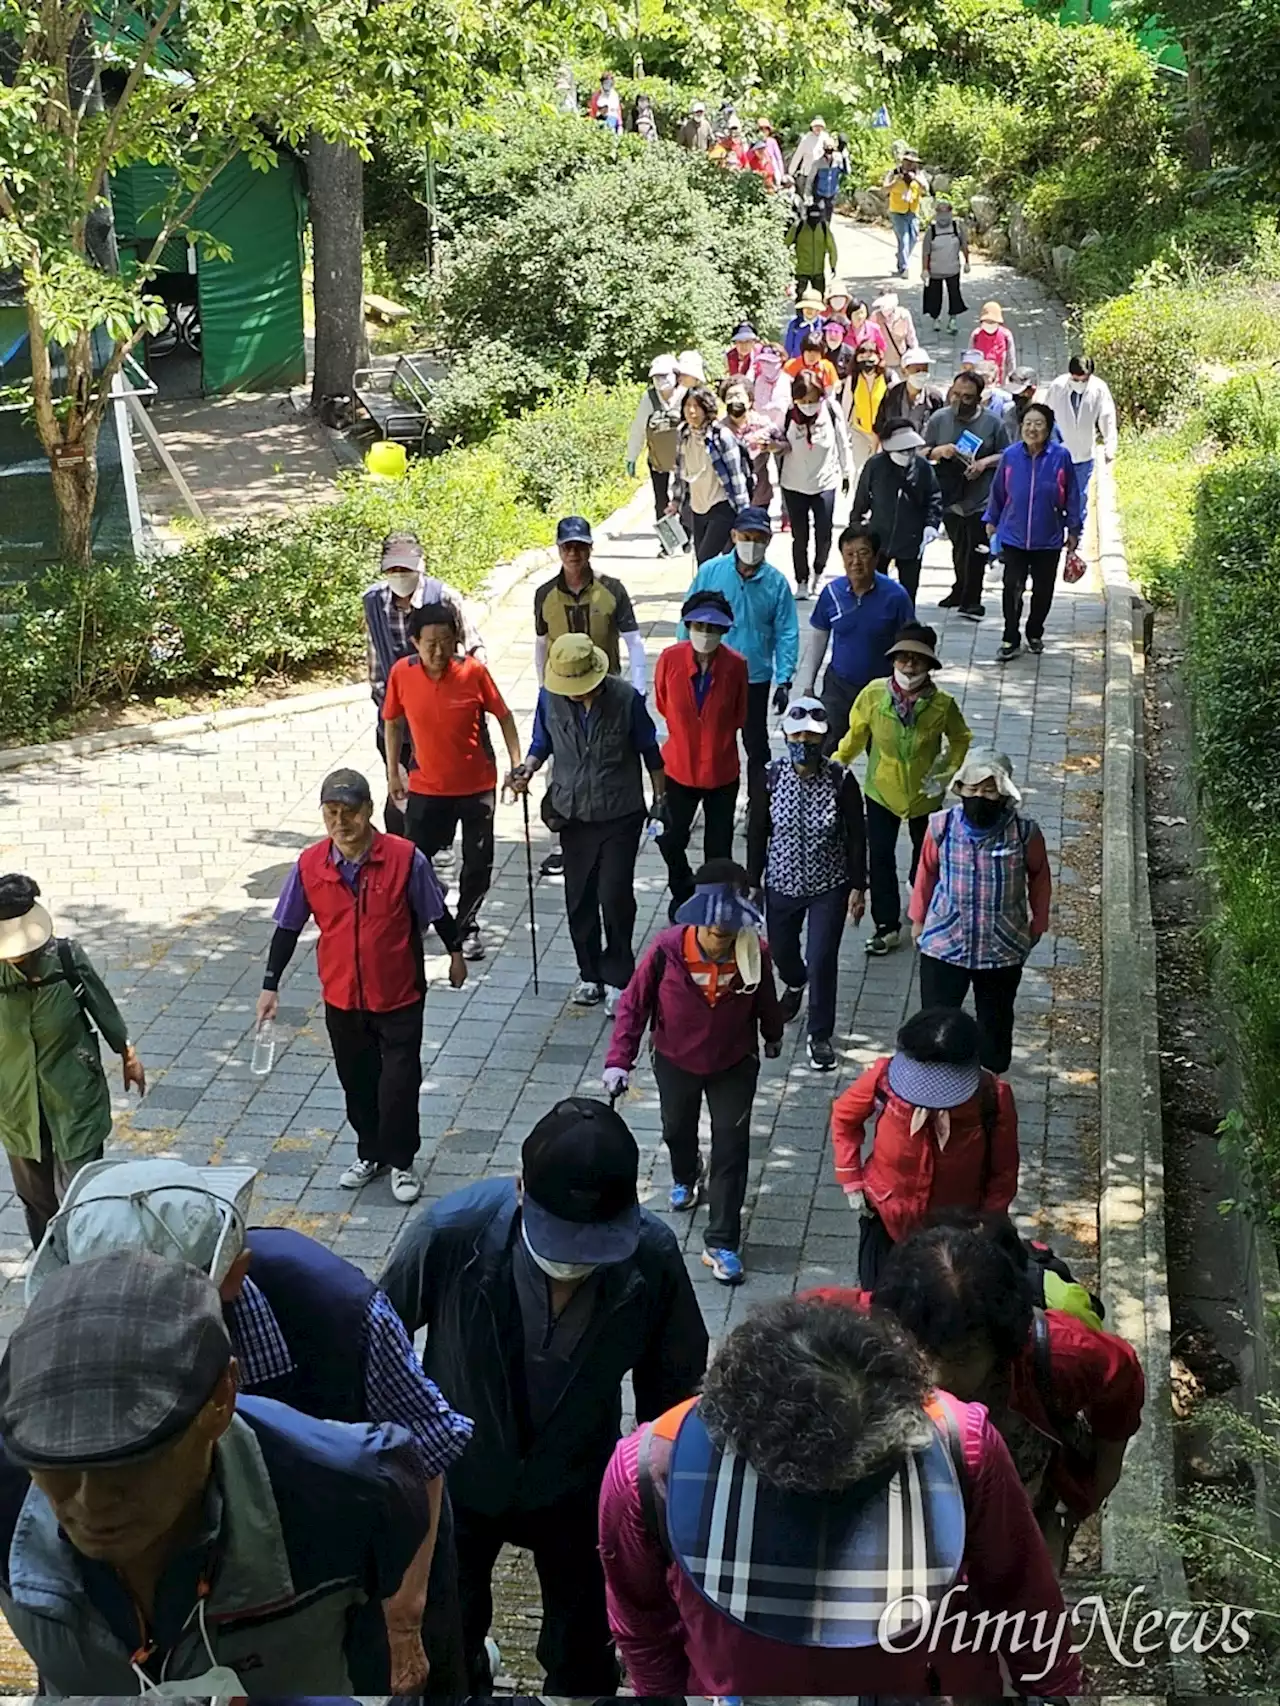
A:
<point x="223" y="1464"/>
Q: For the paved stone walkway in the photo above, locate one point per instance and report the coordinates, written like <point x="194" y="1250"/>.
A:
<point x="166" y="861"/>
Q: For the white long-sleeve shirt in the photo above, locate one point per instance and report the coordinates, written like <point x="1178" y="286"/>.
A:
<point x="807" y="152"/>
<point x="817" y="458"/>
<point x="1083" y="417"/>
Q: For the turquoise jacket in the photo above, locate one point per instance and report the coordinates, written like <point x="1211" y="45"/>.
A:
<point x="765" y="629"/>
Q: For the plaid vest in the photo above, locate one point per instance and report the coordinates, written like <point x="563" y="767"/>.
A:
<point x="978" y="915"/>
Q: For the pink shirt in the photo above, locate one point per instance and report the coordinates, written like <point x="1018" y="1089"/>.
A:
<point x="997" y="346"/>
<point x="675" y="1642"/>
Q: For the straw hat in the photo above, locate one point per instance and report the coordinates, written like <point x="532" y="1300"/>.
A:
<point x="575" y="665"/>
<point x="809" y="298"/>
<point x="992" y="311"/>
<point x="24" y="923"/>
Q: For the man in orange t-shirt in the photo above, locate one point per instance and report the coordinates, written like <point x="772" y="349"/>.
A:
<point x="444" y="699"/>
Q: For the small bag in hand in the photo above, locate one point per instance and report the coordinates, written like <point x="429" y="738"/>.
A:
<point x="1075" y="568"/>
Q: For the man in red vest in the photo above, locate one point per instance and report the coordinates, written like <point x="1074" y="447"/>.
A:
<point x="373" y="896"/>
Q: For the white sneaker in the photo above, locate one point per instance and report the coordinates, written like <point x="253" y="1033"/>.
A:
<point x="406" y="1186"/>
<point x="472" y="946"/>
<point x="359" y="1173"/>
<point x="587" y="994"/>
<point x="612" y="997"/>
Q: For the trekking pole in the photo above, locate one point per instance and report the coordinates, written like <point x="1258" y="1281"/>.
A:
<point x="528" y="868"/>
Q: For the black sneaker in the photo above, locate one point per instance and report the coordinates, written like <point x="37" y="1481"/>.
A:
<point x="553" y="864"/>
<point x="822" y="1057"/>
<point x="951" y="602"/>
<point x="789" y="1003"/>
<point x="1008" y="649"/>
<point x="972" y="612"/>
<point x="1036" y="646"/>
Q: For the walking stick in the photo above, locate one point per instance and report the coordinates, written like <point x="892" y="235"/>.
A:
<point x="528" y="867"/>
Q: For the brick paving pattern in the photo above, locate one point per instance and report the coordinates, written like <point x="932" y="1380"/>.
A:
<point x="166" y="861"/>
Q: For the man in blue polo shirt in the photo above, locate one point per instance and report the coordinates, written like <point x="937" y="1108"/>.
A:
<point x="859" y="617"/>
<point x="155" y="1527"/>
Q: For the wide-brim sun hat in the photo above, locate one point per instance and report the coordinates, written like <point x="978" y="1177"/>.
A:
<point x="810" y="298"/>
<point x="992" y="311"/>
<point x="186" y="1214"/>
<point x="575" y="664"/>
<point x="933" y="1084"/>
<point x="690" y="362"/>
<point x="917" y="648"/>
<point x="986" y="765"/>
<point x="902" y="438"/>
<point x="833" y="1569"/>
<point x="720" y="906"/>
<point x="25" y="925"/>
<point x="662" y="364"/>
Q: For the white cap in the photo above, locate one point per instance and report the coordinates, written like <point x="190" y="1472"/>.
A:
<point x="662" y="364"/>
<point x="805" y="716"/>
<point x="690" y="362"/>
<point x="902" y="438"/>
<point x="917" y="357"/>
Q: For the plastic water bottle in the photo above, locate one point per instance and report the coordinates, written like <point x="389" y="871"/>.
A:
<point x="264" y="1048"/>
<point x="653" y="830"/>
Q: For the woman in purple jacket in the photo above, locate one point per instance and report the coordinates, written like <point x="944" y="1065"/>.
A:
<point x="1035" y="504"/>
<point x="705" y="989"/>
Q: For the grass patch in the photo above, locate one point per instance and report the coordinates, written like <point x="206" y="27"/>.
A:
<point x="1157" y="476"/>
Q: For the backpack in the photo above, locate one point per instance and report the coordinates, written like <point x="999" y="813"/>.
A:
<point x="1054" y="1286"/>
<point x="988" y="1110"/>
<point x="1075" y="1436"/>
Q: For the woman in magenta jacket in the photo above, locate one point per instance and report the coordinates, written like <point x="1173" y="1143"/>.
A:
<point x="1035" y="505"/>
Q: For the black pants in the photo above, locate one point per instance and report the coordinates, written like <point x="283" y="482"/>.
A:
<point x="717" y="831"/>
<point x="599" y="886"/>
<point x="41" y="1185"/>
<point x="874" y="1245"/>
<point x="442" y="1620"/>
<point x="379" y="1062"/>
<point x="711" y="531"/>
<point x="819" y="964"/>
<point x="994" y="992"/>
<point x="392" y="816"/>
<point x="933" y="296"/>
<point x="838" y="696"/>
<point x="882" y="847"/>
<point x="574" y="1645"/>
<point x="729" y="1097"/>
<point x="804" y="279"/>
<point x="431" y="821"/>
<point x="968" y="534"/>
<point x="660" y="479"/>
<point x="909" y="574"/>
<point x="755" y="736"/>
<point x="800" y="506"/>
<point x="1042" y="566"/>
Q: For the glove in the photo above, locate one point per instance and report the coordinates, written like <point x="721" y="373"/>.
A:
<point x="659" y="811"/>
<point x="781" y="696"/>
<point x="773" y="1049"/>
<point x="616" y="1080"/>
<point x="856" y="1201"/>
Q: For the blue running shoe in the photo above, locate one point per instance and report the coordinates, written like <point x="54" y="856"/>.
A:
<point x="684" y="1197"/>
<point x="726" y="1265"/>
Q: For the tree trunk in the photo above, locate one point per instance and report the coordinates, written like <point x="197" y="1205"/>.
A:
<point x="75" y="490"/>
<point x="1199" y="136"/>
<point x="336" y="192"/>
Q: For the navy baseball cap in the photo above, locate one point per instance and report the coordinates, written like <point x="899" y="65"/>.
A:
<point x="344" y="788"/>
<point x="580" y="1166"/>
<point x="574" y="529"/>
<point x="753" y="519"/>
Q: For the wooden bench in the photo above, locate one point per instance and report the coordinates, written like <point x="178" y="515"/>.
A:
<point x="397" y="400"/>
<point x="384" y="310"/>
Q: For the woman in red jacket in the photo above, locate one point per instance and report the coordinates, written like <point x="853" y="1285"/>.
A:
<point x="700" y="690"/>
<point x="1066" y="1396"/>
<point x="946" y="1135"/>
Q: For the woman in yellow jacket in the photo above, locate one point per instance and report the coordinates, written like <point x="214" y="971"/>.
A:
<point x="863" y="396"/>
<point x="915" y="738"/>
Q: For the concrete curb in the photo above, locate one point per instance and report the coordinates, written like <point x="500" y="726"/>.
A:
<point x="502" y="580"/>
<point x="1137" y="1519"/>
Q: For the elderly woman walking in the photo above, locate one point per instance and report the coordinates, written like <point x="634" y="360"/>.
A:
<point x="943" y="253"/>
<point x="712" y="473"/>
<point x="981" y="900"/>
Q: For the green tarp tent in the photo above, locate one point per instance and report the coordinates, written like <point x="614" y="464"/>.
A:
<point x="250" y="305"/>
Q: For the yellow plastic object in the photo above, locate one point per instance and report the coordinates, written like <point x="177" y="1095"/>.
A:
<point x="387" y="459"/>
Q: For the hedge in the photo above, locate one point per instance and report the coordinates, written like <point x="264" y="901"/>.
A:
<point x="275" y="598"/>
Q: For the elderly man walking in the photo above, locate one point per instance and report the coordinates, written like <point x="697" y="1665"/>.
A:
<point x="596" y="729"/>
<point x="373" y="897"/>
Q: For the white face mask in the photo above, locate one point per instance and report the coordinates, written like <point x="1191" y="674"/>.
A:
<point x="916" y="381"/>
<point x="664" y="383"/>
<point x="808" y="410"/>
<point x="557" y="1270"/>
<point x="705" y="640"/>
<point x="988" y="325"/>
<point x="909" y="682"/>
<point x="1078" y="384"/>
<point x="404" y="583"/>
<point x="751" y="551"/>
<point x="901" y="457"/>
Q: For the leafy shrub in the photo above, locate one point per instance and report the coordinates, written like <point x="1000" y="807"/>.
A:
<point x="1245" y="411"/>
<point x="967" y="130"/>
<point x="487" y="383"/>
<point x="1140" y="342"/>
<point x="1157" y="475"/>
<point x="569" y="456"/>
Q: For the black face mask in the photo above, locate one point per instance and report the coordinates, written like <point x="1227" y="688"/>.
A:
<point x="981" y="812"/>
<point x="736" y="408"/>
<point x="967" y="411"/>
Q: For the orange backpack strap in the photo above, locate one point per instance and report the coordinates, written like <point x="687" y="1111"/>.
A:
<point x="652" y="1464"/>
<point x="938" y="1409"/>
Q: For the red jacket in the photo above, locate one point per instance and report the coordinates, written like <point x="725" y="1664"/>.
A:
<point x="368" y="955"/>
<point x="1091" y="1374"/>
<point x="909" y="1177"/>
<point x="702" y="743"/>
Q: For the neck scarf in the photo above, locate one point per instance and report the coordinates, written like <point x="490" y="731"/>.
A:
<point x="908" y="704"/>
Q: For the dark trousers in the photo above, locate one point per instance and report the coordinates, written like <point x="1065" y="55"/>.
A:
<point x="41" y="1185"/>
<point x="804" y="279"/>
<point x="379" y="1062"/>
<point x="882" y="860"/>
<point x="909" y="574"/>
<point x="933" y="296"/>
<point x="1042" y="567"/>
<point x="838" y="696"/>
<point x="574" y="1645"/>
<point x="442" y="1620"/>
<point x="755" y="736"/>
<point x="431" y="821"/>
<point x="826" y="913"/>
<point x="392" y="816"/>
<point x="874" y="1245"/>
<point x="599" y="886"/>
<point x="660" y="480"/>
<point x="717" y="831"/>
<point x="729" y="1097"/>
<point x="968" y="534"/>
<point x="994" y="992"/>
<point x="800" y="506"/>
<point x="711" y="531"/>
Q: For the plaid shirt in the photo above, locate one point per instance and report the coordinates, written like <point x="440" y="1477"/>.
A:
<point x="978" y="916"/>
<point x="396" y="1388"/>
<point x="727" y="458"/>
